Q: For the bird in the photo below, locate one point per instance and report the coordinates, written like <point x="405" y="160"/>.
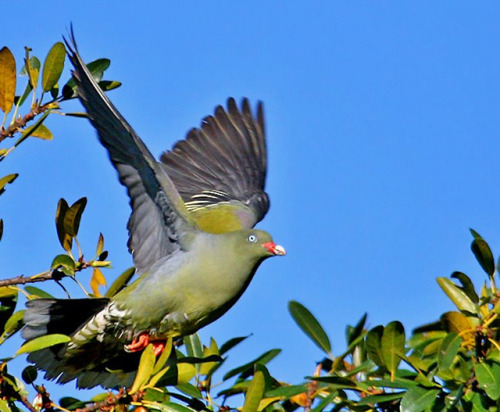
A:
<point x="191" y="236"/>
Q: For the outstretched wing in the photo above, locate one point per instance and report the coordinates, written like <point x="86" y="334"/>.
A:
<point x="220" y="169"/>
<point x="159" y="221"/>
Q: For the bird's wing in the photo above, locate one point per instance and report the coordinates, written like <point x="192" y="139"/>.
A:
<point x="160" y="223"/>
<point x="220" y="169"/>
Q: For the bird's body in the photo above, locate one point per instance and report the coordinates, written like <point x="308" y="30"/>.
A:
<point x="190" y="234"/>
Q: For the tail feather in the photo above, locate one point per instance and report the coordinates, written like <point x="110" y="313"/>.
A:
<point x="90" y="364"/>
<point x="46" y="316"/>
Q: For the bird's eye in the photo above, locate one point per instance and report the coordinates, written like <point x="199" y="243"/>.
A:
<point x="252" y="238"/>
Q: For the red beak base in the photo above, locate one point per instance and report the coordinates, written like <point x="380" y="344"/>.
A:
<point x="275" y="249"/>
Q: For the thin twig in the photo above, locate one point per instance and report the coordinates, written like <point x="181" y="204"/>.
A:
<point x="21" y="122"/>
<point x="22" y="280"/>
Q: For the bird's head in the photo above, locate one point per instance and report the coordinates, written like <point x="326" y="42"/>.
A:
<point x="260" y="244"/>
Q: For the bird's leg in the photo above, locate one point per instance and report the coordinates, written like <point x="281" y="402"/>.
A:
<point x="139" y="343"/>
<point x="158" y="347"/>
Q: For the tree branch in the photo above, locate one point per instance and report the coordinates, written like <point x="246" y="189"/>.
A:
<point x="21" y="280"/>
<point x="21" y="122"/>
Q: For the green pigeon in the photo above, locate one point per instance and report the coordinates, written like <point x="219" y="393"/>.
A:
<point x="190" y="234"/>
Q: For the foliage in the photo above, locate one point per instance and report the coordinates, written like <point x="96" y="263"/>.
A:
<point x="452" y="364"/>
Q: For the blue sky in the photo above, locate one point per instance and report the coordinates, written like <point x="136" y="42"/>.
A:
<point x="383" y="135"/>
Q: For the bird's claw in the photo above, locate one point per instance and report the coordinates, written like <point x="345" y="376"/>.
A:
<point x="142" y="341"/>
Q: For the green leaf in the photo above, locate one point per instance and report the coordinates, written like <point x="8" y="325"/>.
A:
<point x="8" y="302"/>
<point x="373" y="344"/>
<point x="231" y="343"/>
<point x="120" y="282"/>
<point x="448" y="350"/>
<point x="145" y="370"/>
<point x="244" y="369"/>
<point x="38" y="130"/>
<point x="73" y="216"/>
<point x="488" y="377"/>
<point x="96" y="68"/>
<point x="254" y="393"/>
<point x="286" y="391"/>
<point x="193" y="345"/>
<point x="378" y="399"/>
<point x="309" y="325"/>
<point x="7" y="79"/>
<point x="53" y="66"/>
<point x="207" y="367"/>
<point x="65" y="263"/>
<point x="13" y="324"/>
<point x="165" y="354"/>
<point x="29" y="374"/>
<point x="65" y="239"/>
<point x="417" y="399"/>
<point x="457" y="295"/>
<point x="100" y="245"/>
<point x="29" y="131"/>
<point x="355" y="332"/>
<point x="484" y="256"/>
<point x="19" y="100"/>
<point x="4" y="406"/>
<point x="456" y="322"/>
<point x="393" y="344"/>
<point x="32" y="290"/>
<point x="4" y="181"/>
<point x="467" y="285"/>
<point x="31" y="68"/>
<point x="108" y="85"/>
<point x="42" y="342"/>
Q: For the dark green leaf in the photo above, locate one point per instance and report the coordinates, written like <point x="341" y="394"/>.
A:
<point x="120" y="282"/>
<point x="71" y="403"/>
<point x="19" y="100"/>
<point x="231" y="343"/>
<point x="29" y="374"/>
<point x="417" y="399"/>
<point x="42" y="342"/>
<point x="244" y="369"/>
<point x="1" y="228"/>
<point x="309" y="325"/>
<point x="193" y="345"/>
<point x="108" y="85"/>
<point x="355" y="333"/>
<point x="448" y="350"/>
<point x="378" y="399"/>
<point x="64" y="238"/>
<point x="373" y="344"/>
<point x="484" y="256"/>
<point x="96" y="68"/>
<point x="73" y="215"/>
<point x="467" y="285"/>
<point x="286" y="391"/>
<point x="53" y="66"/>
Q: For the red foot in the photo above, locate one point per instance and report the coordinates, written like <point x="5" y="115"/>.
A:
<point x="142" y="341"/>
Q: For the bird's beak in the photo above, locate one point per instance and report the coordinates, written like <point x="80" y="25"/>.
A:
<point x="274" y="248"/>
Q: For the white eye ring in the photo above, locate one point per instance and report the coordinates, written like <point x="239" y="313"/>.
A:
<point x="252" y="238"/>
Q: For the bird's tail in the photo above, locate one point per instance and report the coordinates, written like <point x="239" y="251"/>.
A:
<point x="90" y="365"/>
<point x="47" y="316"/>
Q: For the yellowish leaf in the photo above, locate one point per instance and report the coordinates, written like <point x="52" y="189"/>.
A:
<point x="97" y="280"/>
<point x="7" y="79"/>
